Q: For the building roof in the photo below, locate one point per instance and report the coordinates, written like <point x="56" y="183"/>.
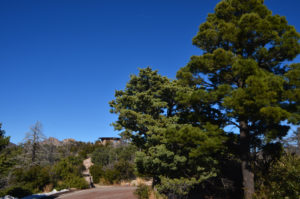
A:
<point x="109" y="138"/>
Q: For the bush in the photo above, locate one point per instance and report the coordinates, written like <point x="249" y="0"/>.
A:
<point x="142" y="192"/>
<point x="97" y="172"/>
<point x="37" y="178"/>
<point x="125" y="169"/>
<point x="111" y="176"/>
<point x="34" y="178"/>
<point x="72" y="182"/>
<point x="68" y="166"/>
<point x="176" y="188"/>
<point x="67" y="174"/>
<point x="282" y="180"/>
<point x="17" y="191"/>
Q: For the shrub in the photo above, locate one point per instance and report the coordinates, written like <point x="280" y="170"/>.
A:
<point x="111" y="176"/>
<point x="67" y="174"/>
<point x="72" y="182"/>
<point x="34" y="178"/>
<point x="142" y="192"/>
<point x="97" y="172"/>
<point x="125" y="169"/>
<point x="282" y="180"/>
<point x="17" y="191"/>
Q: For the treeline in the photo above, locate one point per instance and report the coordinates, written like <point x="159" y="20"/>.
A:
<point x="39" y="165"/>
<point x="34" y="166"/>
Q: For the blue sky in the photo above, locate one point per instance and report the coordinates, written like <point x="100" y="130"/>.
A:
<point x="62" y="60"/>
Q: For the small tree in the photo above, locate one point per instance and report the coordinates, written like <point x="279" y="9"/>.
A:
<point x="33" y="141"/>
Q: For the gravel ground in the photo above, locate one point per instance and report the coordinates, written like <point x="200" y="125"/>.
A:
<point x="105" y="192"/>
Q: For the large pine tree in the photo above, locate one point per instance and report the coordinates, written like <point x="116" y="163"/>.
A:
<point x="178" y="151"/>
<point x="245" y="72"/>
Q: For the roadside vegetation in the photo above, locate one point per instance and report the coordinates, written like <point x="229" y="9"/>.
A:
<point x="40" y="165"/>
<point x="36" y="166"/>
<point x="113" y="164"/>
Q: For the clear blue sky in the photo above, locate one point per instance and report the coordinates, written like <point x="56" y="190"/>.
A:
<point x="62" y="60"/>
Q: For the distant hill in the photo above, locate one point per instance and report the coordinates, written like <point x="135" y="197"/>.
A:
<point x="56" y="142"/>
<point x="10" y="144"/>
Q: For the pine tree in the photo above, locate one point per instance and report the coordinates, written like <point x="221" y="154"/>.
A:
<point x="244" y="76"/>
<point x="5" y="165"/>
<point x="4" y="141"/>
<point x="177" y="152"/>
<point x="143" y="104"/>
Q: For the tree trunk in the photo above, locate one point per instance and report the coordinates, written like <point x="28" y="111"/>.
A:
<point x="33" y="152"/>
<point x="248" y="175"/>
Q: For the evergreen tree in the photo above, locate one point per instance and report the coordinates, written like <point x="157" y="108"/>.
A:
<point x="5" y="165"/>
<point x="4" y="141"/>
<point x="146" y="103"/>
<point x="244" y="76"/>
<point x="175" y="151"/>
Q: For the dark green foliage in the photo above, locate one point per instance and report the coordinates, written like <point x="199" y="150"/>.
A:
<point x="145" y="102"/>
<point x="7" y="161"/>
<point x="34" y="178"/>
<point x="4" y="141"/>
<point x="8" y="154"/>
<point x="16" y="191"/>
<point x="142" y="192"/>
<point x="241" y="70"/>
<point x="111" y="176"/>
<point x="125" y="169"/>
<point x="282" y="179"/>
<point x="122" y="170"/>
<point x="85" y="149"/>
<point x="103" y="155"/>
<point x="243" y="78"/>
<point x="72" y="181"/>
<point x="97" y="172"/>
<point x="68" y="173"/>
<point x="113" y="163"/>
<point x="174" y="146"/>
<point x="70" y="165"/>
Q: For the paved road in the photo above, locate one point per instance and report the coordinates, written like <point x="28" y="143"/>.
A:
<point x="109" y="192"/>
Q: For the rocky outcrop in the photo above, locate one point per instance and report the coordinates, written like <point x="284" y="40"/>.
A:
<point x="68" y="141"/>
<point x="56" y="142"/>
<point x="87" y="163"/>
<point x="52" y="141"/>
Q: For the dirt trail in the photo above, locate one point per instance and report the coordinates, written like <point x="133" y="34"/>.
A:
<point x="105" y="192"/>
<point x="86" y="173"/>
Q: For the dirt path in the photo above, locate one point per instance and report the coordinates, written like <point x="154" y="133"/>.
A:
<point x="86" y="173"/>
<point x="105" y="192"/>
